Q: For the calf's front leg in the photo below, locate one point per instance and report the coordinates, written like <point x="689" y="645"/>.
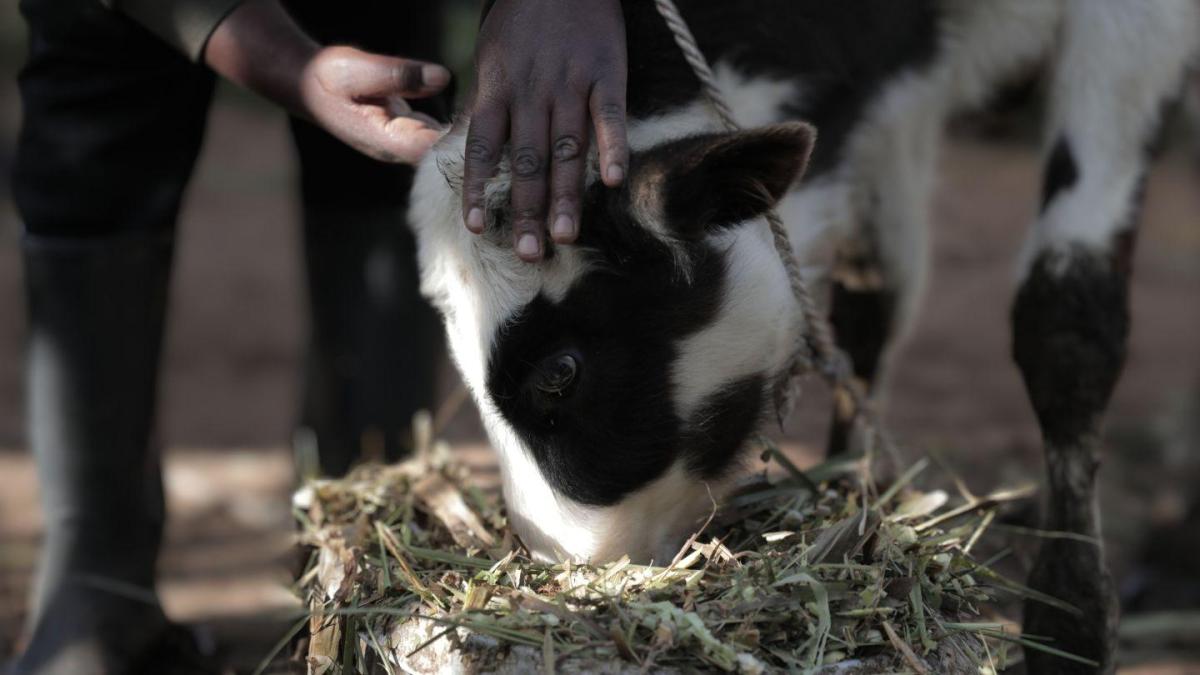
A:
<point x="1116" y="67"/>
<point x="1070" y="323"/>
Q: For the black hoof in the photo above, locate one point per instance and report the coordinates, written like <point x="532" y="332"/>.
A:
<point x="1074" y="572"/>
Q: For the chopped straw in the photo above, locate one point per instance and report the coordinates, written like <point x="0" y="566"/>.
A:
<point x="412" y="569"/>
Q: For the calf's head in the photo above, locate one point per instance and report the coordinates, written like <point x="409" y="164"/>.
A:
<point x="619" y="378"/>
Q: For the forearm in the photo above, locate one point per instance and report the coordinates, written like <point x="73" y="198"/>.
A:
<point x="358" y="97"/>
<point x="260" y="47"/>
<point x="183" y="24"/>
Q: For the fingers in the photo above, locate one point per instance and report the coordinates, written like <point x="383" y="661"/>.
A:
<point x="607" y="104"/>
<point x="398" y="107"/>
<point x="530" y="131"/>
<point x="363" y="75"/>
<point x="548" y="151"/>
<point x="485" y="137"/>
<point x="568" y="152"/>
<point x="401" y="139"/>
<point x="411" y="138"/>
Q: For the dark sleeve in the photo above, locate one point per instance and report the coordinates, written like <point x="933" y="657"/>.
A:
<point x="184" y="24"/>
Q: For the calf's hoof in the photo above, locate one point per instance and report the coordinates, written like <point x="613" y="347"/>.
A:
<point x="1074" y="572"/>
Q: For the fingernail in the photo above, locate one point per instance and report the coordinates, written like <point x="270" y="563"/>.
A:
<point x="563" y="227"/>
<point x="433" y="75"/>
<point x="616" y="173"/>
<point x="527" y="246"/>
<point x="475" y="219"/>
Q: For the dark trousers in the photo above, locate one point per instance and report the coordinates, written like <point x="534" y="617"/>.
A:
<point x="113" y="122"/>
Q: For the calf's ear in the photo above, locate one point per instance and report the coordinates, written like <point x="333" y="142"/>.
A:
<point x="715" y="181"/>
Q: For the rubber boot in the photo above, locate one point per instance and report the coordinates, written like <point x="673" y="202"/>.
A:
<point x="96" y="309"/>
<point x="375" y="342"/>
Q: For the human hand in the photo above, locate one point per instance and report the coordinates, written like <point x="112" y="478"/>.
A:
<point x="544" y="67"/>
<point x="358" y="97"/>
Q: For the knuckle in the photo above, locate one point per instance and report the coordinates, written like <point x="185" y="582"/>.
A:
<point x="337" y="69"/>
<point x="606" y="65"/>
<point x="527" y="215"/>
<point x="490" y="90"/>
<point x="480" y="151"/>
<point x="527" y="163"/>
<point x="577" y="78"/>
<point x="339" y="63"/>
<point x="610" y="112"/>
<point x="567" y="147"/>
<point x="566" y="199"/>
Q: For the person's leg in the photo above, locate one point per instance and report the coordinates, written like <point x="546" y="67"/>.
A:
<point x="112" y="124"/>
<point x="374" y="343"/>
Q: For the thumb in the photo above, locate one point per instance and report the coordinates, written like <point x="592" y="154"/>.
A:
<point x="360" y="74"/>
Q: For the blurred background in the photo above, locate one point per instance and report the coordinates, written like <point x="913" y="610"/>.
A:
<point x="237" y="327"/>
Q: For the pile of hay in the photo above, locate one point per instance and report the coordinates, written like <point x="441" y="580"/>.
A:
<point x="414" y="570"/>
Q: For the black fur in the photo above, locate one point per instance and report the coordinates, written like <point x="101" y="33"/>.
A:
<point x="713" y="181"/>
<point x="839" y="53"/>
<point x="1069" y="335"/>
<point x="1070" y="325"/>
<point x="1062" y="171"/>
<point x="723" y="423"/>
<point x="862" y="322"/>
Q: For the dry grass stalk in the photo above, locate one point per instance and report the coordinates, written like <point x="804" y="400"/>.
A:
<point x="414" y="570"/>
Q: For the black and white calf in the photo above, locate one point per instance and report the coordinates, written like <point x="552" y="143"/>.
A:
<point x="620" y="377"/>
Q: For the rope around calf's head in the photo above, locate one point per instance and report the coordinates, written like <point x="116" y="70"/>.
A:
<point x="818" y="350"/>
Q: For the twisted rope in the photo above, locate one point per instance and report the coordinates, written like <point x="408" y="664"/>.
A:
<point x="818" y="348"/>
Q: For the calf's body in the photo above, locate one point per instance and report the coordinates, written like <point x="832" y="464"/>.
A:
<point x="620" y="377"/>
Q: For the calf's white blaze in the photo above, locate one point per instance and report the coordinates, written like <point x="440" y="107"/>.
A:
<point x="478" y="286"/>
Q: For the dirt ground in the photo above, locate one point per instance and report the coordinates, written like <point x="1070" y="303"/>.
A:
<point x="238" y="325"/>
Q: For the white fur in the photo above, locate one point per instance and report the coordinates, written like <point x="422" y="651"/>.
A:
<point x="1117" y="64"/>
<point x="689" y="120"/>
<point x="648" y="524"/>
<point x="754" y="100"/>
<point x="756" y="325"/>
<point x="816" y="212"/>
<point x="890" y="162"/>
<point x="984" y="41"/>
<point x="889" y="172"/>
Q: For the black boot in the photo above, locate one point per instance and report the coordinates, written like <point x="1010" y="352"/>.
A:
<point x="375" y="342"/>
<point x="96" y="309"/>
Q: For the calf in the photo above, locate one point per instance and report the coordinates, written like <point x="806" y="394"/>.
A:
<point x="620" y="378"/>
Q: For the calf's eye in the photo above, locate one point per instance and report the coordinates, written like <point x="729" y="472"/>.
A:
<point x="556" y="373"/>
